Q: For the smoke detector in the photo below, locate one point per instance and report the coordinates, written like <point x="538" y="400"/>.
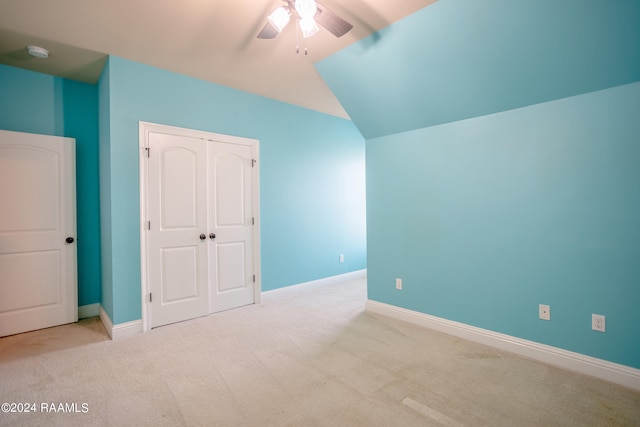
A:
<point x="38" y="52"/>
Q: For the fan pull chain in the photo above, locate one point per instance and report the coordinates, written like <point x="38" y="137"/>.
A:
<point x="305" y="45"/>
<point x="298" y="37"/>
<point x="306" y="51"/>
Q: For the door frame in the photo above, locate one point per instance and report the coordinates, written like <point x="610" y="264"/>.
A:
<point x="145" y="128"/>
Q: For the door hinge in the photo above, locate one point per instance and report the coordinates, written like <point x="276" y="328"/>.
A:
<point x="254" y="278"/>
<point x="148" y="151"/>
<point x="150" y="297"/>
<point x="148" y="225"/>
<point x="253" y="220"/>
<point x="253" y="162"/>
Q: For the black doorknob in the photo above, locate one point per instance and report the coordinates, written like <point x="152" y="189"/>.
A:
<point x="69" y="240"/>
<point x="212" y="236"/>
<point x="202" y="237"/>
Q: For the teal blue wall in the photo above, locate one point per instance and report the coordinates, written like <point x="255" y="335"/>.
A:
<point x="311" y="182"/>
<point x="488" y="217"/>
<point x="37" y="103"/>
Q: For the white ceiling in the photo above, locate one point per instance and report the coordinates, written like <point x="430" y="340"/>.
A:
<point x="213" y="40"/>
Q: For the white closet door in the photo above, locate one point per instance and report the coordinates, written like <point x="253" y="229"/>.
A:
<point x="38" y="279"/>
<point x="177" y="211"/>
<point x="231" y="267"/>
<point x="200" y="223"/>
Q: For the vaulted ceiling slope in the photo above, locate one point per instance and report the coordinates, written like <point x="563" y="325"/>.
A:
<point x="458" y="59"/>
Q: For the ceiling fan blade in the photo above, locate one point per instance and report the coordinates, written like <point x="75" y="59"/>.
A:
<point x="332" y="22"/>
<point x="268" y="32"/>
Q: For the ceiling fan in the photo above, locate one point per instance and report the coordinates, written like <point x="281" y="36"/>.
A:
<point x="309" y="14"/>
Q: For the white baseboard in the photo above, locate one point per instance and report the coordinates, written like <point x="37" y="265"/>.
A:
<point x="106" y="322"/>
<point x="121" y="330"/>
<point x="609" y="371"/>
<point x="89" y="310"/>
<point x="126" y="330"/>
<point x="358" y="274"/>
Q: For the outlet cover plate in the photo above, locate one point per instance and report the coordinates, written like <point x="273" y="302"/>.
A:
<point x="598" y="322"/>
<point x="544" y="312"/>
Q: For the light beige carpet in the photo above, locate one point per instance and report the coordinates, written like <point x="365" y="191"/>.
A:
<point x="309" y="356"/>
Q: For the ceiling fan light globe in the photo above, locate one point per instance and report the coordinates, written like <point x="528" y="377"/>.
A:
<point x="279" y="18"/>
<point x="308" y="27"/>
<point x="306" y="8"/>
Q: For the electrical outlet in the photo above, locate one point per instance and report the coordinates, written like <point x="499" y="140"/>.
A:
<point x="341" y="258"/>
<point x="598" y="322"/>
<point x="544" y="312"/>
<point x="399" y="284"/>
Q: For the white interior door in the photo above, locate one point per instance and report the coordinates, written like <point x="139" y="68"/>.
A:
<point x="38" y="279"/>
<point x="231" y="278"/>
<point x="177" y="215"/>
